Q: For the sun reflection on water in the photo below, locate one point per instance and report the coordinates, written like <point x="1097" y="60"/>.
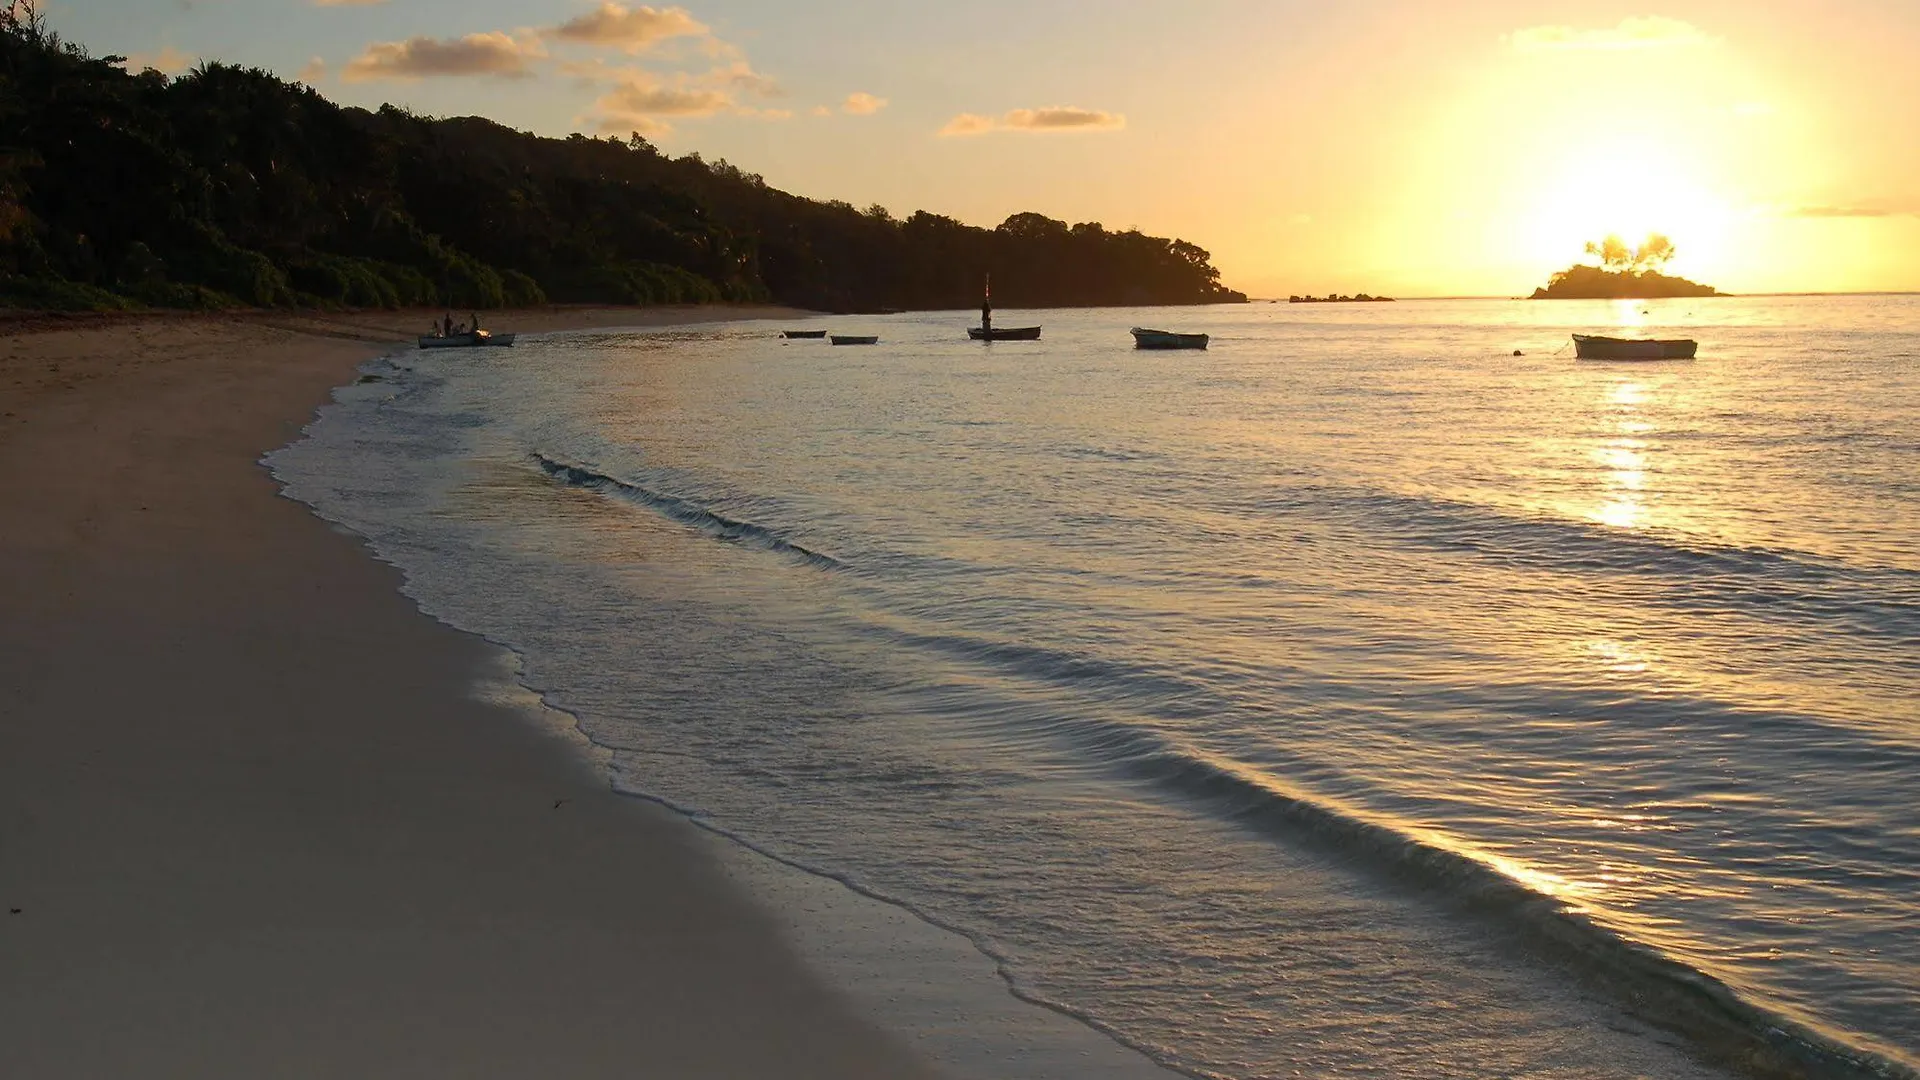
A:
<point x="1617" y="657"/>
<point x="1624" y="457"/>
<point x="1629" y="314"/>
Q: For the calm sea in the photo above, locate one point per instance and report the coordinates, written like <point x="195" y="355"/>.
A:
<point x="1382" y="692"/>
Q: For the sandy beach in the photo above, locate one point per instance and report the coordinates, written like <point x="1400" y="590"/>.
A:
<point x="253" y="821"/>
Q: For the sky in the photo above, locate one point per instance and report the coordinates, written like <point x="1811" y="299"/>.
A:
<point x="1387" y="146"/>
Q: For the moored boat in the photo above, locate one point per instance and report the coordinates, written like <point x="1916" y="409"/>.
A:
<point x="811" y="334"/>
<point x="1009" y="333"/>
<point x="1596" y="347"/>
<point x="986" y="331"/>
<point x="855" y="339"/>
<point x="473" y="339"/>
<point x="1166" y="339"/>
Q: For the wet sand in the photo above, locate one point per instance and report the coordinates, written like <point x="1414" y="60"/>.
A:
<point x="254" y="822"/>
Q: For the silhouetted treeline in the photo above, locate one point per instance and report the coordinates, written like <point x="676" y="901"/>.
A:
<point x="230" y="186"/>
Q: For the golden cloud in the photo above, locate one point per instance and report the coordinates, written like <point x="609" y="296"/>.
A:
<point x="1053" y="118"/>
<point x="493" y="53"/>
<point x="633" y="30"/>
<point x="740" y="76"/>
<point x="641" y="99"/>
<point x="968" y="124"/>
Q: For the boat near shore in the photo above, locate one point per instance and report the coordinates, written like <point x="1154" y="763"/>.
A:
<point x="855" y="339"/>
<point x="1595" y="347"/>
<point x="812" y="335"/>
<point x="472" y="339"/>
<point x="1166" y="339"/>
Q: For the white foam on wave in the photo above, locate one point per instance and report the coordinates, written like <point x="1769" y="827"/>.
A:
<point x="930" y="987"/>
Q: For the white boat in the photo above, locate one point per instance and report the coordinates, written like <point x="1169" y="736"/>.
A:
<point x="1594" y="347"/>
<point x="473" y="339"/>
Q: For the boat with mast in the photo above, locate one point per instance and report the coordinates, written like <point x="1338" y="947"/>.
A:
<point x="986" y="332"/>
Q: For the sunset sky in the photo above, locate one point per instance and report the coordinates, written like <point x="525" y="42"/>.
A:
<point x="1393" y="146"/>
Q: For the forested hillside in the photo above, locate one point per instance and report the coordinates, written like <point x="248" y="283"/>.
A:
<point x="228" y="186"/>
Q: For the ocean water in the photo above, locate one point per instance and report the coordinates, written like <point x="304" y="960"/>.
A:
<point x="1356" y="698"/>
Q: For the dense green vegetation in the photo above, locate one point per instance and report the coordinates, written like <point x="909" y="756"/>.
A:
<point x="228" y="186"/>
<point x="1625" y="272"/>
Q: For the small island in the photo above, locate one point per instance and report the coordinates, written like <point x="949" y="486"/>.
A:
<point x="1623" y="273"/>
<point x="1336" y="298"/>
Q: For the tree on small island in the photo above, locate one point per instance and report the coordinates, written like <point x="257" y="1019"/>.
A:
<point x="1624" y="273"/>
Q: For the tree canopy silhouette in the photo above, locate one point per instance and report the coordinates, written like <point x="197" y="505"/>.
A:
<point x="1616" y="257"/>
<point x="229" y="186"/>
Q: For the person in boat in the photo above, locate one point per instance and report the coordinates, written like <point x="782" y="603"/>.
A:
<point x="986" y="316"/>
<point x="476" y="322"/>
<point x="447" y="326"/>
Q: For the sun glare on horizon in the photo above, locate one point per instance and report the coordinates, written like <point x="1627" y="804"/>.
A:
<point x="1649" y="189"/>
<point x="1514" y="169"/>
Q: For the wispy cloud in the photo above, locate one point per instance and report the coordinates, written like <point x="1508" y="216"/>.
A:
<point x="645" y="101"/>
<point x="1053" y="118"/>
<point x="313" y="71"/>
<point x="1867" y="209"/>
<point x="969" y="124"/>
<point x="632" y="30"/>
<point x="168" y="61"/>
<point x="740" y="76"/>
<point x="861" y="103"/>
<point x="1636" y="32"/>
<point x="496" y="53"/>
<point x="1063" y="118"/>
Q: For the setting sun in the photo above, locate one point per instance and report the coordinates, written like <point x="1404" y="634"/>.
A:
<point x="1576" y="204"/>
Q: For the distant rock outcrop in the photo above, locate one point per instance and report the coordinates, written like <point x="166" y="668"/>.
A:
<point x="1625" y="272"/>
<point x="1336" y="298"/>
<point x="1595" y="283"/>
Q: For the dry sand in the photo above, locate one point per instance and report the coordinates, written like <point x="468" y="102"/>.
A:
<point x="252" y="823"/>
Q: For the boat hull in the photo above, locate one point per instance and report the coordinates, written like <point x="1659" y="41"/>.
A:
<point x="855" y="339"/>
<point x="1166" y="339"/>
<point x="1011" y="333"/>
<point x="811" y="335"/>
<point x="1591" y="347"/>
<point x="481" y="340"/>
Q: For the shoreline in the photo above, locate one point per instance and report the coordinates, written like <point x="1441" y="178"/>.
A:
<point x="253" y="816"/>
